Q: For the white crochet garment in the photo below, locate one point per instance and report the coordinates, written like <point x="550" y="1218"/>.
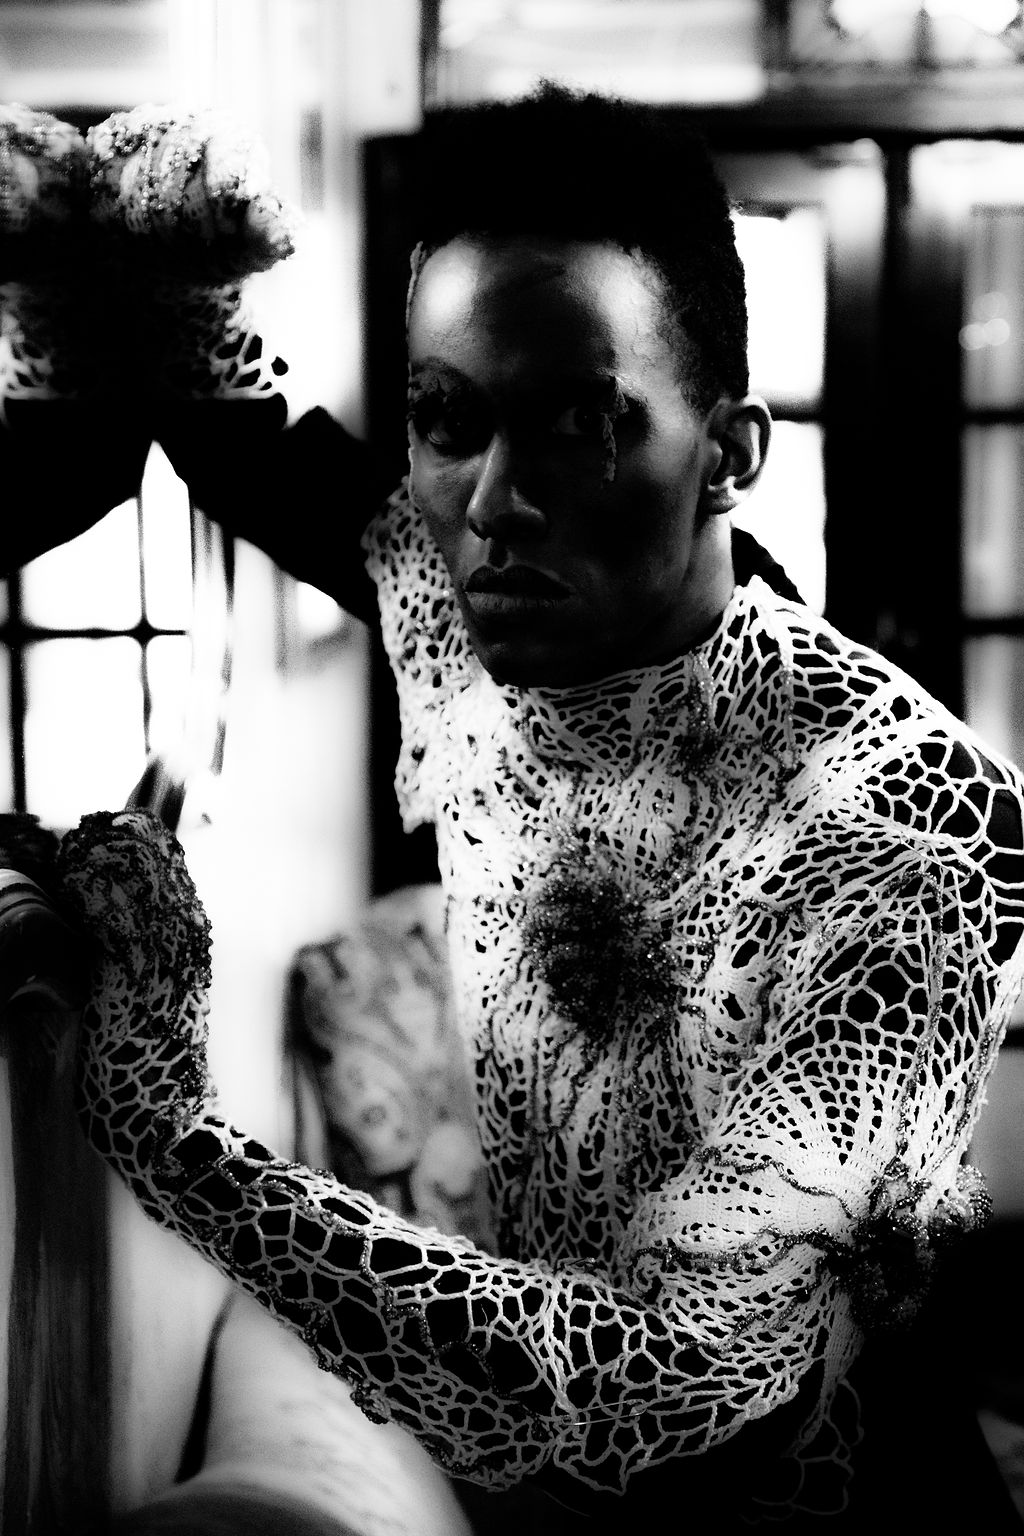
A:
<point x="734" y="940"/>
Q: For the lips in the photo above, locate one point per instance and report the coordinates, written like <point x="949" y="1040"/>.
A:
<point x="514" y="581"/>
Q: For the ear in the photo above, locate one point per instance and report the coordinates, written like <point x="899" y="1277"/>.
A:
<point x="738" y="433"/>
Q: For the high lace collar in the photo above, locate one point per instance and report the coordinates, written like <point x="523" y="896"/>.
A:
<point x="707" y="692"/>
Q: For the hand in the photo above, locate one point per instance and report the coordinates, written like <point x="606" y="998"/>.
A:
<point x="43" y="173"/>
<point x="148" y="228"/>
<point x="44" y="332"/>
<point x="123" y="877"/>
<point x="184" y="206"/>
<point x="187" y="195"/>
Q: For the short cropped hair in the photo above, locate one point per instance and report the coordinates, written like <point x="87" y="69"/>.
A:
<point x="566" y="165"/>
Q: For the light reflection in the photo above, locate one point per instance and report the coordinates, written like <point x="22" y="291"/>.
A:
<point x="316" y="614"/>
<point x="991" y="335"/>
<point x="987" y="333"/>
<point x="993" y="526"/>
<point x="84" y="746"/>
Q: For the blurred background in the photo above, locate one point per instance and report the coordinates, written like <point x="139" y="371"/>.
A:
<point x="875" y="149"/>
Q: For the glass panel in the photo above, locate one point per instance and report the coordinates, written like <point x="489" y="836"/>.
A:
<point x="84" y="746"/>
<point x="994" y="692"/>
<point x="646" y="50"/>
<point x="974" y="188"/>
<point x="169" y="662"/>
<point x="92" y="582"/>
<point x="993" y="521"/>
<point x="784" y="261"/>
<point x="992" y="334"/>
<point x="166" y="544"/>
<point x="786" y="513"/>
<point x="6" y="766"/>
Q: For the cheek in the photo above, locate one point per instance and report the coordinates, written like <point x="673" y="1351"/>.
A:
<point x="658" y="493"/>
<point x="643" y="540"/>
<point x="637" y="518"/>
<point x="441" y="490"/>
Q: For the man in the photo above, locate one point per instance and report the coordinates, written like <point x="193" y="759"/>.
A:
<point x="734" y="910"/>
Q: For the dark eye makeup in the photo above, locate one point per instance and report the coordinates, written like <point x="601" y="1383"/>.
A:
<point x="454" y="419"/>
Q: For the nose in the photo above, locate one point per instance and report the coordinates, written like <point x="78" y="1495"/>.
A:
<point x="497" y="509"/>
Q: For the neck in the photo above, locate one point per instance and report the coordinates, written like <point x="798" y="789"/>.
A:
<point x="709" y="588"/>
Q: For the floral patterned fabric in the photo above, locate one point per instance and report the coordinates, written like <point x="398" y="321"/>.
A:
<point x="372" y="1016"/>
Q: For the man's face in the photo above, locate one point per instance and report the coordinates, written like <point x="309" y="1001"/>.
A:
<point x="556" y="460"/>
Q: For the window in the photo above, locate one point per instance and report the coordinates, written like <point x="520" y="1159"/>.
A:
<point x="979" y="185"/>
<point x="783" y="251"/>
<point x="809" y="231"/>
<point x="115" y="648"/>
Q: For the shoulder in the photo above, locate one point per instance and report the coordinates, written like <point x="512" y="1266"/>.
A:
<point x="866" y="729"/>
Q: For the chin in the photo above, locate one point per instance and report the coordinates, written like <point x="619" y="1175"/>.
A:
<point x="522" y="667"/>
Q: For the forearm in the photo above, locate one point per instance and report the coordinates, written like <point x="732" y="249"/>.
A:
<point x="128" y="320"/>
<point x="302" y="494"/>
<point x="63" y="465"/>
<point x="496" y="1366"/>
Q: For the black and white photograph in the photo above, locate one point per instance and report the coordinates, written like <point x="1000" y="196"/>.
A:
<point x="512" y="797"/>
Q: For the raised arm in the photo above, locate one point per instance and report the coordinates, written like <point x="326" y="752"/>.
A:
<point x="66" y="455"/>
<point x="301" y="493"/>
<point x="834" y="1162"/>
<point x="123" y="264"/>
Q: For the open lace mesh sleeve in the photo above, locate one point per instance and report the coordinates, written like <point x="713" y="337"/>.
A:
<point x="811" y="1212"/>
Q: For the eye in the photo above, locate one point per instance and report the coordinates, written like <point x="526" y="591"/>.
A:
<point x="449" y="425"/>
<point x="581" y="421"/>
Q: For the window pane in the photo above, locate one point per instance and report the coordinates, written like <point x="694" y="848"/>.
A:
<point x="6" y="767"/>
<point x="992" y="335"/>
<point x="84" y="745"/>
<point x="993" y="521"/>
<point x="166" y="544"/>
<point x="994" y="692"/>
<point x="784" y="262"/>
<point x="92" y="582"/>
<point x="975" y="186"/>
<point x="648" y="50"/>
<point x="169" y="660"/>
<point x="786" y="513"/>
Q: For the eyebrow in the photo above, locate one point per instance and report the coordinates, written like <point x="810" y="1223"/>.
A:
<point x="438" y="368"/>
<point x="558" y="387"/>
